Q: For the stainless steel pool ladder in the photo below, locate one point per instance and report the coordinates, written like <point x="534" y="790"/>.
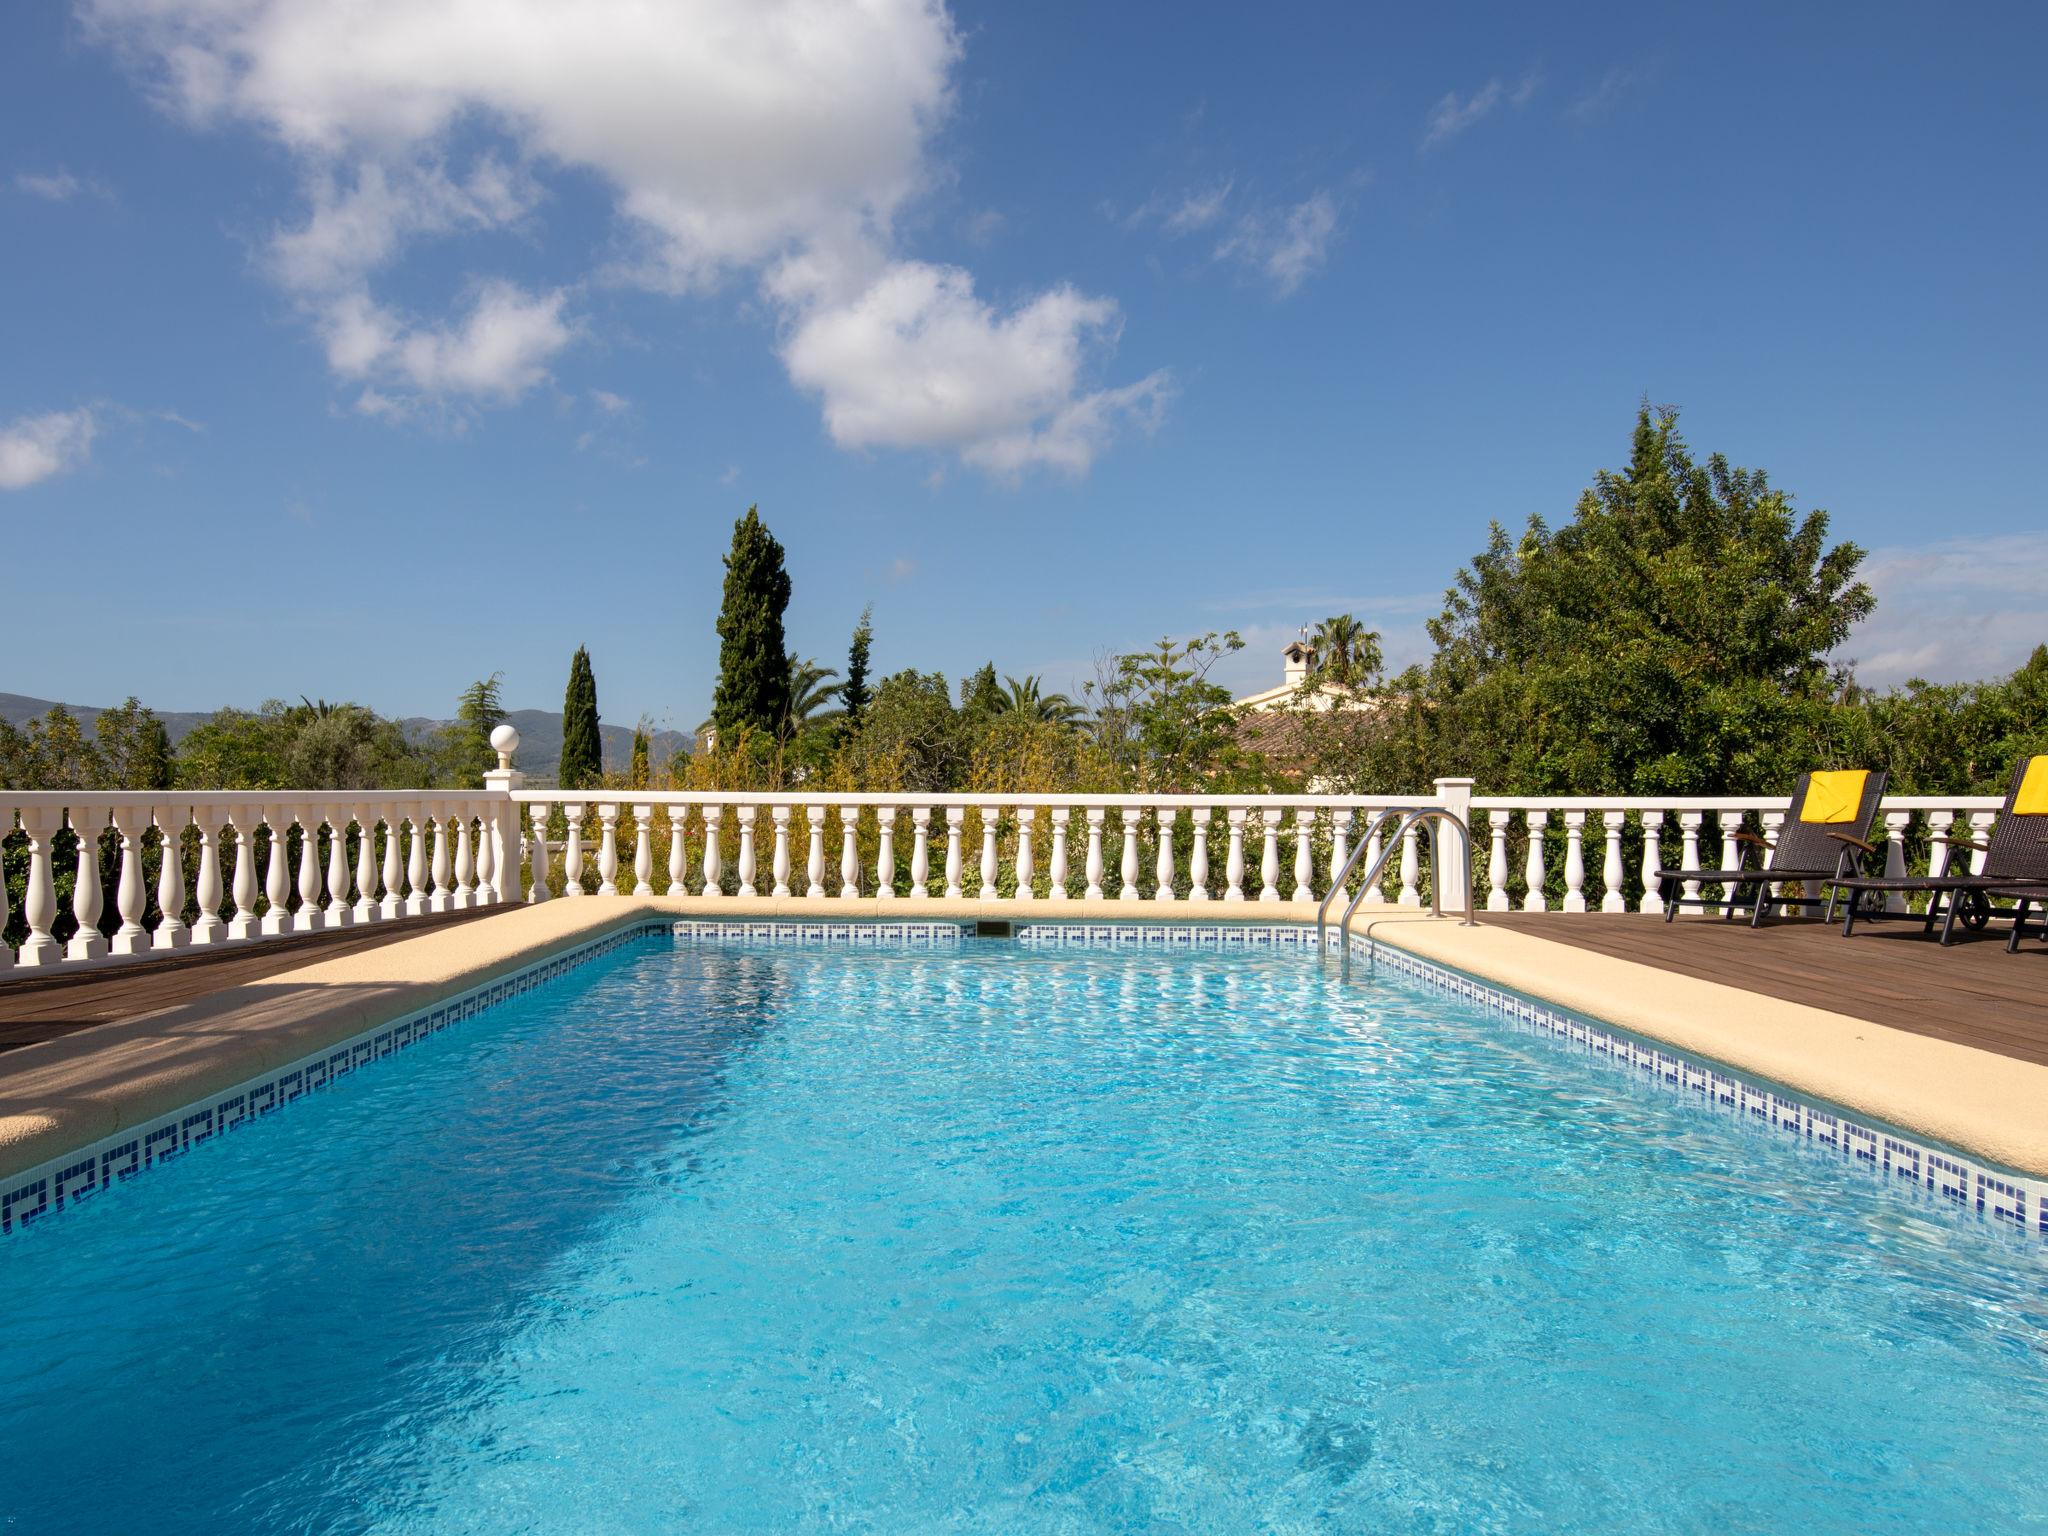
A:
<point x="1433" y="816"/>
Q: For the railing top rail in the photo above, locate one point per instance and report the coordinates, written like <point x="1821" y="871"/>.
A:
<point x="901" y="798"/>
<point x="230" y="798"/>
<point x="1714" y="802"/>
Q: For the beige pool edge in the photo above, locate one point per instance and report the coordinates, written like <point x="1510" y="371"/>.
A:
<point x="62" y="1095"/>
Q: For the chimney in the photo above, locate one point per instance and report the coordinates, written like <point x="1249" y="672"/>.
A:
<point x="1298" y="655"/>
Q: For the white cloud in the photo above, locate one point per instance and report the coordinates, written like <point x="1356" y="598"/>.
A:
<point x="1198" y="210"/>
<point x="915" y="359"/>
<point x="1453" y="114"/>
<point x="610" y="403"/>
<point x="497" y="352"/>
<point x="1287" y="245"/>
<point x="60" y="186"/>
<point x="1613" y="88"/>
<point x="779" y="137"/>
<point x="1953" y="611"/>
<point x="33" y="448"/>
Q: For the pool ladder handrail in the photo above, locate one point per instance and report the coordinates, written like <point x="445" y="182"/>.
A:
<point x="1433" y="815"/>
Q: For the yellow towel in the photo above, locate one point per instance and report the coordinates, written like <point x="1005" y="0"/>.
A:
<point x="1837" y="796"/>
<point x="2032" y="800"/>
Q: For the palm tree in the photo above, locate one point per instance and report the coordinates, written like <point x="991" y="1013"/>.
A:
<point x="809" y="694"/>
<point x="1026" y="699"/>
<point x="1346" y="652"/>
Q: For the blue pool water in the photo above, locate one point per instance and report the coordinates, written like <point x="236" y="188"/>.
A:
<point x="762" y="1239"/>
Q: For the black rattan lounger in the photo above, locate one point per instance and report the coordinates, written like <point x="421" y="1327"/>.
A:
<point x="2015" y="859"/>
<point x="2027" y="896"/>
<point x="1819" y="844"/>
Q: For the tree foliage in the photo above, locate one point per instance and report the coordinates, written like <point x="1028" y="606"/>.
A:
<point x="582" y="748"/>
<point x="854" y="693"/>
<point x="753" y="655"/>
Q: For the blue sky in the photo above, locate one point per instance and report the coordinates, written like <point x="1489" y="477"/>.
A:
<point x="362" y="356"/>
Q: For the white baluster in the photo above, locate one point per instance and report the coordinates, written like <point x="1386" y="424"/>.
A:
<point x="1093" y="891"/>
<point x="463" y="897"/>
<point x="171" y="931"/>
<point x="87" y="902"/>
<point x="367" y="908"/>
<point x="1411" y="893"/>
<point x="920" y="852"/>
<point x="608" y="850"/>
<point x="1026" y="868"/>
<point x="339" y="913"/>
<point x="1653" y="859"/>
<point x="1941" y="858"/>
<point x="1375" y="845"/>
<point x="438" y="899"/>
<point x="955" y="815"/>
<point x="1896" y="825"/>
<point x="1056" y="872"/>
<point x="1612" y="899"/>
<point x="714" y="862"/>
<point x="814" y="856"/>
<point x="849" y="852"/>
<point x="1689" y="827"/>
<point x="486" y="892"/>
<point x="537" y="857"/>
<point x="678" y="850"/>
<point x="1497" y="861"/>
<point x="1575" y="861"/>
<point x="885" y="852"/>
<point x="308" y="919"/>
<point x="572" y="851"/>
<point x="643" y="850"/>
<point x="989" y="818"/>
<point x="1198" y="858"/>
<point x="1233" y="863"/>
<point x="1269" y="855"/>
<point x="1980" y="832"/>
<point x="391" y="903"/>
<point x="747" y="814"/>
<point x="245" y="924"/>
<point x="1340" y="842"/>
<point x="1304" y="853"/>
<point x="1533" y="872"/>
<point x="131" y="897"/>
<point x="779" y="816"/>
<point x="1127" y="868"/>
<point x="208" y="927"/>
<point x="1731" y="851"/>
<point x="39" y="900"/>
<point x="1162" y="863"/>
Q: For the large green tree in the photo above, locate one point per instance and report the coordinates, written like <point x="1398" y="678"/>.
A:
<point x="1672" y="638"/>
<point x="582" y="749"/>
<point x="753" y="656"/>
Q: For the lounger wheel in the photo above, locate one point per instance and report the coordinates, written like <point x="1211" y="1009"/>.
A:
<point x="1974" y="911"/>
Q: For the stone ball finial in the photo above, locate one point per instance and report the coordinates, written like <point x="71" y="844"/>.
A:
<point x="505" y="741"/>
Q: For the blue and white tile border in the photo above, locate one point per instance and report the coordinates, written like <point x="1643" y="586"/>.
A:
<point x="1953" y="1178"/>
<point x="1950" y="1177"/>
<point x="63" y="1181"/>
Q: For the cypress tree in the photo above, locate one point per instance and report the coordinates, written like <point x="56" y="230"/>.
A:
<point x="854" y="693"/>
<point x="753" y="660"/>
<point x="638" y="774"/>
<point x="582" y="755"/>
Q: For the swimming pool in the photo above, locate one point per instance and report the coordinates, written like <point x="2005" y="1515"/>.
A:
<point x="732" y="1237"/>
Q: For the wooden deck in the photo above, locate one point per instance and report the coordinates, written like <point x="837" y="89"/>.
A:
<point x="36" y="1006"/>
<point x="1972" y="992"/>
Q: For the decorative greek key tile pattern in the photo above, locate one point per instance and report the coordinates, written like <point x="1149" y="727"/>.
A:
<point x="913" y="935"/>
<point x="77" y="1175"/>
<point x="1886" y="1154"/>
<point x="1166" y="935"/>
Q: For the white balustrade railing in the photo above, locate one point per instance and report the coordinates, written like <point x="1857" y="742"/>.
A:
<point x="1636" y="835"/>
<point x="232" y="868"/>
<point x="223" y="866"/>
<point x="1134" y="848"/>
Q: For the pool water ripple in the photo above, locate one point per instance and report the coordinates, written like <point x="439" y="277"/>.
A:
<point x="729" y="1238"/>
